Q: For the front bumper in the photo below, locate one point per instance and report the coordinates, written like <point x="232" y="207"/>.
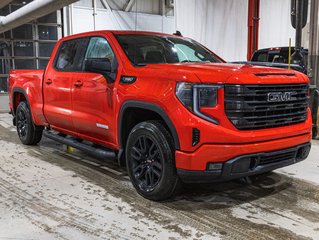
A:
<point x="250" y="164"/>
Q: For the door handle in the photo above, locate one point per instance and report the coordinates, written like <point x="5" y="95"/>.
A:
<point x="48" y="81"/>
<point x="78" y="83"/>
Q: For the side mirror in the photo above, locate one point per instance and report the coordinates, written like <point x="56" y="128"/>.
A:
<point x="98" y="65"/>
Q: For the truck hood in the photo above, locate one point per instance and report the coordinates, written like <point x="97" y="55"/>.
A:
<point x="225" y="73"/>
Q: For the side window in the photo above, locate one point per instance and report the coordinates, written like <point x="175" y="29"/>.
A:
<point x="70" y="56"/>
<point x="99" y="48"/>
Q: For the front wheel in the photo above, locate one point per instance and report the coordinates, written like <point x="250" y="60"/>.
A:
<point x="29" y="134"/>
<point x="150" y="161"/>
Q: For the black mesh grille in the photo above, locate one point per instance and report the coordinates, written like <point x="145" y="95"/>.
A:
<point x="248" y="106"/>
<point x="273" y="158"/>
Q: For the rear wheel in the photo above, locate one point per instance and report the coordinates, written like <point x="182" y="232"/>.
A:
<point x="28" y="133"/>
<point x="150" y="161"/>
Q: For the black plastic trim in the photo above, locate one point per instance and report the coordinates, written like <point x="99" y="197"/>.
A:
<point x="152" y="107"/>
<point x="227" y="173"/>
<point x="99" y="152"/>
<point x="19" y="90"/>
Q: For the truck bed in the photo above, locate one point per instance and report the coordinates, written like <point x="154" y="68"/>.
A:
<point x="30" y="82"/>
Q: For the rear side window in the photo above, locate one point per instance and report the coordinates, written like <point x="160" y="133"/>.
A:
<point x="71" y="55"/>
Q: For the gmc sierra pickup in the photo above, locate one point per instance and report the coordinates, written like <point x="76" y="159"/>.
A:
<point x="164" y="106"/>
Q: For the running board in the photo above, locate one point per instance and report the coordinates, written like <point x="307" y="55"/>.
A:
<point x="98" y="152"/>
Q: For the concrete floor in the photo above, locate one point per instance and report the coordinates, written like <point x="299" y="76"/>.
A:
<point x="46" y="193"/>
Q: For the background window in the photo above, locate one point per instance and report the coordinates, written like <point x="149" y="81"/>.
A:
<point x="45" y="49"/>
<point x="3" y="84"/>
<point x="50" y="18"/>
<point x="23" y="32"/>
<point x="47" y="32"/>
<point x="25" y="64"/>
<point x="23" y="48"/>
<point x="43" y="64"/>
<point x="28" y="46"/>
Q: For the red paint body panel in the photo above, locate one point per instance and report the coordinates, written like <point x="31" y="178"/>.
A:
<point x="78" y="111"/>
<point x="222" y="152"/>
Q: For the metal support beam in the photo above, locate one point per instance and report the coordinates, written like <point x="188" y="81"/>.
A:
<point x="129" y="5"/>
<point x="30" y="12"/>
<point x="253" y="27"/>
<point x="313" y="54"/>
<point x="4" y="3"/>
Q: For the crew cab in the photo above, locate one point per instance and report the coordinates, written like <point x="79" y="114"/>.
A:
<point x="166" y="107"/>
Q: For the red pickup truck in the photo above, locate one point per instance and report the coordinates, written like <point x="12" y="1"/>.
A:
<point x="164" y="106"/>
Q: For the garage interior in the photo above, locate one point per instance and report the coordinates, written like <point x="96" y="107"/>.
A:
<point x="52" y="191"/>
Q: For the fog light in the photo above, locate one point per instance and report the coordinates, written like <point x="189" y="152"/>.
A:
<point x="214" y="166"/>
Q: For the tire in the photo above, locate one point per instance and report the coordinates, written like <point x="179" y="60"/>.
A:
<point x="28" y="133"/>
<point x="150" y="161"/>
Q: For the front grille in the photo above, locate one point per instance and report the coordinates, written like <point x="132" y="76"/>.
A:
<point x="248" y="106"/>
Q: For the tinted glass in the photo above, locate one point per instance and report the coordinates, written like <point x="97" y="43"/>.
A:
<point x="43" y="64"/>
<point x="144" y="49"/>
<point x="23" y="48"/>
<point x="99" y="48"/>
<point x="47" y="32"/>
<point x="3" y="85"/>
<point x="5" y="48"/>
<point x="25" y="64"/>
<point x="23" y="32"/>
<point x="71" y="54"/>
<point x="260" y="57"/>
<point x="45" y="49"/>
<point x="4" y="66"/>
<point x="50" y="18"/>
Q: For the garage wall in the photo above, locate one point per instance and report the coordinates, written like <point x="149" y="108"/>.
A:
<point x="221" y="25"/>
<point x="275" y="27"/>
<point x="83" y="20"/>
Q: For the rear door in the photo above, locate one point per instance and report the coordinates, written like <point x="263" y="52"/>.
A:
<point x="57" y="84"/>
<point x="92" y="95"/>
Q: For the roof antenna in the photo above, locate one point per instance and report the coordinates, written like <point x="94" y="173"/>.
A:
<point x="178" y="33"/>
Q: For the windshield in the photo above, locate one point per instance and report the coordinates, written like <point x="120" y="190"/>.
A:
<point x="144" y="49"/>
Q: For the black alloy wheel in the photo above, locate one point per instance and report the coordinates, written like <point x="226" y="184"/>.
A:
<point x="150" y="161"/>
<point x="147" y="161"/>
<point x="22" y="124"/>
<point x="28" y="132"/>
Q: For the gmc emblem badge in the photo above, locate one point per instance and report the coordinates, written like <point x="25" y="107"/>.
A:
<point x="281" y="96"/>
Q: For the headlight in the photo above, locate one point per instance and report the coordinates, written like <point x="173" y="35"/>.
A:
<point x="195" y="96"/>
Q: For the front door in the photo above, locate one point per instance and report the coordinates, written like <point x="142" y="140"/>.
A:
<point x="92" y="96"/>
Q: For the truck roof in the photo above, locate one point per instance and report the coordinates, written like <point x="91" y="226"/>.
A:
<point x="118" y="32"/>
